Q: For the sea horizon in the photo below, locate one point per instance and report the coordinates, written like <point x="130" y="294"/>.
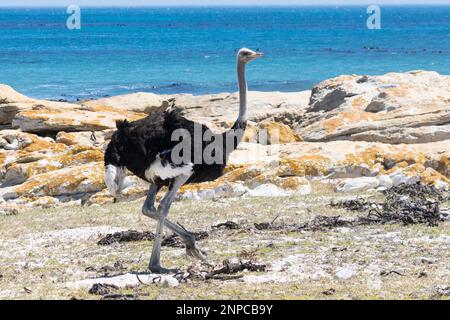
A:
<point x="229" y="6"/>
<point x="191" y="49"/>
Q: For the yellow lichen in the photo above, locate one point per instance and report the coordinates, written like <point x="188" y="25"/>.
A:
<point x="444" y="165"/>
<point x="308" y="165"/>
<point x="330" y="125"/>
<point x="2" y="157"/>
<point x="84" y="178"/>
<point x="279" y="133"/>
<point x="369" y="156"/>
<point x="67" y="138"/>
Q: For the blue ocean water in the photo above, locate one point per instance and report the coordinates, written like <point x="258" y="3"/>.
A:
<point x="192" y="50"/>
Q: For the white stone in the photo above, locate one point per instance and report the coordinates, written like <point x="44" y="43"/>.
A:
<point x="268" y="190"/>
<point x="400" y="177"/>
<point x="357" y="184"/>
<point x="125" y="280"/>
<point x="345" y="273"/>
<point x="385" y="181"/>
<point x="227" y="190"/>
<point x="170" y="282"/>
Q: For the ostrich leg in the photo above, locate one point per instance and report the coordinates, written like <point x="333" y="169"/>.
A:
<point x="163" y="211"/>
<point x="188" y="238"/>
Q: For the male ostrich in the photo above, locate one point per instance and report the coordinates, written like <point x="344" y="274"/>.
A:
<point x="145" y="147"/>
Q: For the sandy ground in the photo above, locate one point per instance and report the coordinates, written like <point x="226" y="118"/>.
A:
<point x="53" y="253"/>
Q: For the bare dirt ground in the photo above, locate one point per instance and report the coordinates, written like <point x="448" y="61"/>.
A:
<point x="43" y="253"/>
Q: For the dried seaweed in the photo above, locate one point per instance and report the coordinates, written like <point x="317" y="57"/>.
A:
<point x="417" y="190"/>
<point x="329" y="292"/>
<point x="118" y="296"/>
<point x="107" y="270"/>
<point x="387" y="273"/>
<point x="230" y="225"/>
<point x="175" y="241"/>
<point x="267" y="225"/>
<point x="229" y="267"/>
<point x="320" y="223"/>
<point x="172" y="240"/>
<point x="102" y="289"/>
<point x="404" y="210"/>
<point x="125" y="236"/>
<point x="358" y="204"/>
<point x="227" y="271"/>
<point x="408" y="204"/>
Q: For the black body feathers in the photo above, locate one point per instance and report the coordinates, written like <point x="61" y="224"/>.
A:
<point x="136" y="145"/>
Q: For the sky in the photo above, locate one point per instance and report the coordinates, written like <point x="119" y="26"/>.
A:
<point x="206" y="2"/>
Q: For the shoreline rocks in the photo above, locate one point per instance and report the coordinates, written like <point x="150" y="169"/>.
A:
<point x="352" y="132"/>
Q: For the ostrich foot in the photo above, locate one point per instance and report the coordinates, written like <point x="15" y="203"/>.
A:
<point x="161" y="270"/>
<point x="193" y="251"/>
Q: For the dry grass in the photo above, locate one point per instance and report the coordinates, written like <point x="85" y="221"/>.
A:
<point x="42" y="250"/>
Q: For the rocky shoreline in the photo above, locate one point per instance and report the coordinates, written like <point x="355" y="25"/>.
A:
<point x="352" y="132"/>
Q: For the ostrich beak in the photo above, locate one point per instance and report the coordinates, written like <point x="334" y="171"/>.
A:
<point x="259" y="54"/>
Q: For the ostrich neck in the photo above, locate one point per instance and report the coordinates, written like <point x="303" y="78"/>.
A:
<point x="234" y="136"/>
<point x="242" y="93"/>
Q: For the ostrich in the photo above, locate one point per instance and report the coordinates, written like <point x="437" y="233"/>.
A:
<point x="145" y="147"/>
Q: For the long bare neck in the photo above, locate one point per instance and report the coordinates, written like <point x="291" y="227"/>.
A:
<point x="242" y="83"/>
<point x="234" y="136"/>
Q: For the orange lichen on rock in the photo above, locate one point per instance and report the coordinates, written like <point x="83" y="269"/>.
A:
<point x="68" y="181"/>
<point x="40" y="144"/>
<point x="242" y="173"/>
<point x="250" y="134"/>
<point x="345" y="118"/>
<point x="403" y="155"/>
<point x="77" y="155"/>
<point x="427" y="175"/>
<point x="431" y="176"/>
<point x="308" y="165"/>
<point x="76" y="118"/>
<point x="359" y="102"/>
<point x="444" y="165"/>
<point x="3" y="156"/>
<point x="369" y="156"/>
<point x="67" y="138"/>
<point x="279" y="133"/>
<point x="126" y="114"/>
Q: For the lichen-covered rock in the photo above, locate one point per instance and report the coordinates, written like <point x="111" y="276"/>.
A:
<point x="12" y="102"/>
<point x="83" y="179"/>
<point x="341" y="160"/>
<point x="218" y="110"/>
<point x="392" y="108"/>
<point x="21" y="147"/>
<point x="287" y="186"/>
<point x="77" y="155"/>
<point x="397" y="135"/>
<point x="84" y="138"/>
<point x="142" y="102"/>
<point x="77" y="118"/>
<point x="14" y="140"/>
<point x="276" y="133"/>
<point x="212" y="191"/>
<point x="343" y="124"/>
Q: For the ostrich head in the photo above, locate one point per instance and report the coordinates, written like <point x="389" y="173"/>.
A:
<point x="115" y="172"/>
<point x="246" y="55"/>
